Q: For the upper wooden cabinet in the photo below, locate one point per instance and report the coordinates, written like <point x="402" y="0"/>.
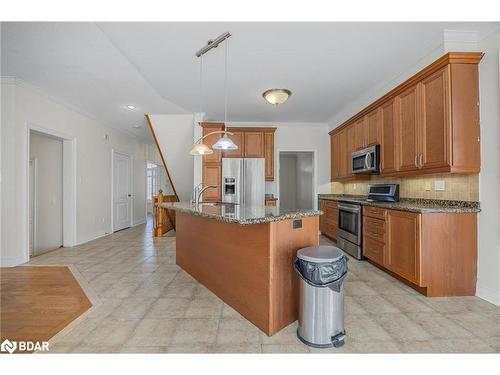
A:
<point x="428" y="124"/>
<point x="388" y="149"/>
<point x="254" y="144"/>
<point x="238" y="139"/>
<point x="269" y="154"/>
<point x="335" y="156"/>
<point x="216" y="156"/>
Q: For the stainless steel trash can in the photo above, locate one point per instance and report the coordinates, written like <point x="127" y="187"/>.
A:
<point x="322" y="270"/>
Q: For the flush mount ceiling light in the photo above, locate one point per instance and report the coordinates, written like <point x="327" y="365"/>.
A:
<point x="276" y="96"/>
<point x="131" y="107"/>
<point x="224" y="143"/>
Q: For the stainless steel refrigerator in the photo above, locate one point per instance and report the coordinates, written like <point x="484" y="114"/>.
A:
<point x="243" y="181"/>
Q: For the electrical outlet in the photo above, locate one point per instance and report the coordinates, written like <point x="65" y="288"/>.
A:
<point x="439" y="185"/>
<point x="428" y="186"/>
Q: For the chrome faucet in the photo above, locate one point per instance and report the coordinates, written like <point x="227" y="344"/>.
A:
<point x="197" y="192"/>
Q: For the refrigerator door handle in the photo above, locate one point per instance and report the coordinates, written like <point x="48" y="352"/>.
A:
<point x="242" y="180"/>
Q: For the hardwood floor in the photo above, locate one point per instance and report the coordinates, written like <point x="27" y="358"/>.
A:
<point x="38" y="302"/>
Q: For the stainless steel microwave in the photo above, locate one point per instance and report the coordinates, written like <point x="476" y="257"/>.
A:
<point x="366" y="160"/>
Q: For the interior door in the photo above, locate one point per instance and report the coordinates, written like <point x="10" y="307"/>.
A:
<point x="122" y="208"/>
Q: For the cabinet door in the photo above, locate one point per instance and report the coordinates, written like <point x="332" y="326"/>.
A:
<point x="436" y="125"/>
<point x="210" y="140"/>
<point x="359" y="141"/>
<point x="254" y="144"/>
<point x="408" y="126"/>
<point x="343" y="163"/>
<point x="372" y="128"/>
<point x="351" y="139"/>
<point x="322" y="218"/>
<point x="212" y="176"/>
<point x="238" y="139"/>
<point x="403" y="244"/>
<point x="335" y="156"/>
<point x="388" y="145"/>
<point x="269" y="155"/>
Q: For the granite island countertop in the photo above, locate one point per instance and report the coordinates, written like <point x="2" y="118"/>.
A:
<point x="241" y="214"/>
<point x="410" y="204"/>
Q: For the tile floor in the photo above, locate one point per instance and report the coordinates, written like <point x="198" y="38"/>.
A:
<point x="144" y="303"/>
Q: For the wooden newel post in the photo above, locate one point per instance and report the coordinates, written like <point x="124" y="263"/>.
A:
<point x="159" y="213"/>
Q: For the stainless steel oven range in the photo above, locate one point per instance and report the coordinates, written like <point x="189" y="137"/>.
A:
<point x="349" y="229"/>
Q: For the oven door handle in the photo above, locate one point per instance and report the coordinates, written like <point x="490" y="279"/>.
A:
<point x="350" y="209"/>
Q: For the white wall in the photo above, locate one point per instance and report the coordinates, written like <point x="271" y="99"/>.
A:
<point x="488" y="283"/>
<point x="175" y="136"/>
<point x="48" y="208"/>
<point x="288" y="180"/>
<point x="23" y="105"/>
<point x="304" y="180"/>
<point x="296" y="180"/>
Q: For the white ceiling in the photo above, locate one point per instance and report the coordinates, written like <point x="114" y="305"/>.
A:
<point x="102" y="67"/>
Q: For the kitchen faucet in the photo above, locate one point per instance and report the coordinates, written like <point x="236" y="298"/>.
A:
<point x="197" y="192"/>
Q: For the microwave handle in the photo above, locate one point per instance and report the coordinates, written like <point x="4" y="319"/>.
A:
<point x="368" y="160"/>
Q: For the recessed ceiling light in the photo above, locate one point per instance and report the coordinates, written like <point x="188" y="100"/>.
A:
<point x="276" y="96"/>
<point x="131" y="107"/>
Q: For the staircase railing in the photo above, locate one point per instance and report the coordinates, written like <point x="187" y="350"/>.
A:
<point x="163" y="218"/>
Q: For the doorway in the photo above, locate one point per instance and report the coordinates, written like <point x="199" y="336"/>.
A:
<point x="155" y="180"/>
<point x="122" y="191"/>
<point x="45" y="193"/>
<point x="296" y="179"/>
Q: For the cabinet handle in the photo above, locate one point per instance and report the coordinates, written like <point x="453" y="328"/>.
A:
<point x="421" y="160"/>
<point x="416" y="160"/>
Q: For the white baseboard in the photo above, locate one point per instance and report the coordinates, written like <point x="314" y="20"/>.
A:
<point x="488" y="293"/>
<point x="140" y="222"/>
<point x="12" y="262"/>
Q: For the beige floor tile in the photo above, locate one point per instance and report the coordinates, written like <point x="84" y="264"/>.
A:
<point x="153" y="332"/>
<point x="287" y="336"/>
<point x="204" y="308"/>
<point x="190" y="349"/>
<point x="285" y="348"/>
<point x="175" y="290"/>
<point x="119" y="290"/>
<point x="376" y="304"/>
<point x="237" y="331"/>
<point x="477" y="323"/>
<point x="78" y="332"/>
<point x="96" y="349"/>
<point x="196" y="331"/>
<point x="472" y="345"/>
<point x="364" y="328"/>
<point x="143" y="349"/>
<point x="352" y="307"/>
<point x="111" y="332"/>
<point x="133" y="308"/>
<point x="169" y="308"/>
<point x="59" y="348"/>
<point x="229" y="312"/>
<point x="401" y="327"/>
<point x="408" y="303"/>
<point x="438" y="326"/>
<point x="358" y="288"/>
<point x="494" y="343"/>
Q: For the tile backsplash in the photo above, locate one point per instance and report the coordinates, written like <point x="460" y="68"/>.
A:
<point x="463" y="187"/>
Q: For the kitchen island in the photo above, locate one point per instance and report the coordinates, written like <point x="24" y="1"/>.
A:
<point x="244" y="255"/>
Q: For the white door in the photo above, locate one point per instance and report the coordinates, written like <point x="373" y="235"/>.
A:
<point x="32" y="185"/>
<point x="121" y="191"/>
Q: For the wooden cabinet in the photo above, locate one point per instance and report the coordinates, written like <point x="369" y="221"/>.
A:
<point x="238" y="139"/>
<point x="436" y="253"/>
<point x="335" y="156"/>
<point x="408" y="129"/>
<point x="388" y="150"/>
<point x="212" y="176"/>
<point x="435" y="121"/>
<point x="403" y="244"/>
<point x="254" y="144"/>
<point x="269" y="155"/>
<point x="372" y="121"/>
<point x="328" y="222"/>
<point x="428" y="124"/>
<point x="210" y="140"/>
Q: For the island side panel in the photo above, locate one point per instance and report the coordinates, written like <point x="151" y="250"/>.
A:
<point x="231" y="260"/>
<point x="285" y="242"/>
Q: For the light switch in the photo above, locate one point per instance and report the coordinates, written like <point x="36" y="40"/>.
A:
<point x="439" y="185"/>
<point x="428" y="186"/>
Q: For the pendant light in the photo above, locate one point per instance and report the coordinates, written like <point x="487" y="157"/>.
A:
<point x="224" y="143"/>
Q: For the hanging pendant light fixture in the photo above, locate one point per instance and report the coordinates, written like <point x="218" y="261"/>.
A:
<point x="224" y="143"/>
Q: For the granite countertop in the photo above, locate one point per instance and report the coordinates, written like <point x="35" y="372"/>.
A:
<point x="241" y="214"/>
<point x="411" y="204"/>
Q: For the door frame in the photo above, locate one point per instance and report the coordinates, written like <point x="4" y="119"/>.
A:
<point x="315" y="170"/>
<point x="33" y="183"/>
<point x="131" y="185"/>
<point x="69" y="183"/>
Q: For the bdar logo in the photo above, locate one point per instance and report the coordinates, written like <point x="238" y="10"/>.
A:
<point x="8" y="346"/>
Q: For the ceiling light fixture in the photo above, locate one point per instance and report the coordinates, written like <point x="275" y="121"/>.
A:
<point x="276" y="96"/>
<point x="224" y="143"/>
<point x="131" y="107"/>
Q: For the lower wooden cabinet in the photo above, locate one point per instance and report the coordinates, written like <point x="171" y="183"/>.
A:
<point x="328" y="222"/>
<point x="435" y="252"/>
